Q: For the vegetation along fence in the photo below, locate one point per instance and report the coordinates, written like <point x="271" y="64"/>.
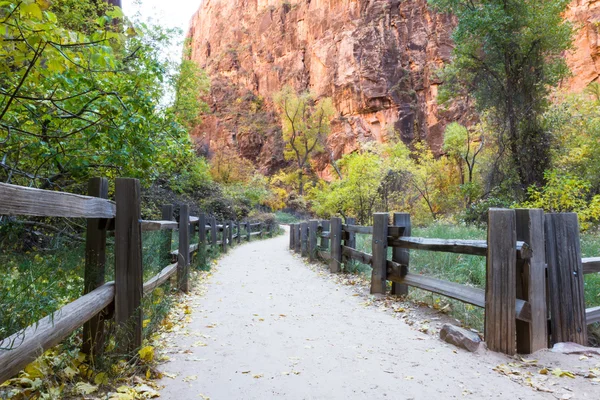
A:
<point x="534" y="293"/>
<point x="122" y="298"/>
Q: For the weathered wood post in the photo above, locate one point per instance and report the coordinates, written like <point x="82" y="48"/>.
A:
<point x="292" y="243"/>
<point x="565" y="279"/>
<point x="167" y="239"/>
<point x="531" y="281"/>
<point x="313" y="226"/>
<point x="239" y="232"/>
<point x="379" y="246"/>
<point x="128" y="262"/>
<point x="500" y="288"/>
<point x="350" y="238"/>
<point x="304" y="239"/>
<point x="335" y="237"/>
<point x="224" y="236"/>
<point x="325" y="226"/>
<point x="230" y="231"/>
<point x="95" y="267"/>
<point x="202" y="238"/>
<point x="213" y="232"/>
<point x="248" y="230"/>
<point x="261" y="229"/>
<point x="298" y="235"/>
<point x="183" y="257"/>
<point x="399" y="255"/>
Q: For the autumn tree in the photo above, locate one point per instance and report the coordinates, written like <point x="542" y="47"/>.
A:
<point x="509" y="54"/>
<point x="305" y="122"/>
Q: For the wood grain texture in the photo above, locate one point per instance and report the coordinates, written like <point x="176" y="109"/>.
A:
<point x="353" y="254"/>
<point x="304" y="239"/>
<point x="27" y="345"/>
<point x="402" y="226"/>
<point x="202" y="238"/>
<point x="292" y="237"/>
<point x="460" y="246"/>
<point x="531" y="281"/>
<point x="500" y="292"/>
<point x="95" y="269"/>
<point x="325" y="226"/>
<point x="149" y="226"/>
<point x="213" y="231"/>
<point x="335" y="238"/>
<point x="128" y="262"/>
<point x="167" y="235"/>
<point x="592" y="315"/>
<point x="230" y="232"/>
<point x="183" y="256"/>
<point x="565" y="279"/>
<point x="350" y="227"/>
<point x="20" y="200"/>
<point x="239" y="232"/>
<point x="313" y="226"/>
<point x="591" y="265"/>
<point x="160" y="278"/>
<point x="379" y="249"/>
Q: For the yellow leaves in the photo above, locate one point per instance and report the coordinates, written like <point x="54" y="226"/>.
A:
<point x="145" y="323"/>
<point x="146" y="353"/>
<point x="101" y="379"/>
<point x="187" y="310"/>
<point x="560" y="373"/>
<point x="31" y="10"/>
<point x="257" y="376"/>
<point x="84" y="388"/>
<point x="190" y="378"/>
<point x="69" y="372"/>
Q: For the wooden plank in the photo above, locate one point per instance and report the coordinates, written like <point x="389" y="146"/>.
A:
<point x="239" y="232"/>
<point x="379" y="248"/>
<point x="325" y="234"/>
<point x="224" y="238"/>
<point x="304" y="239"/>
<point x="193" y="248"/>
<point x="313" y="226"/>
<point x="402" y="226"/>
<point x="565" y="279"/>
<point x="325" y="226"/>
<point x="166" y="236"/>
<point x="193" y="220"/>
<point x="261" y="229"/>
<point x="350" y="239"/>
<point x="591" y="265"/>
<point x="460" y="246"/>
<point x="292" y="239"/>
<point x="500" y="292"/>
<point x="531" y="281"/>
<point x="354" y="254"/>
<point x="22" y="348"/>
<point x="213" y="231"/>
<point x="20" y="200"/>
<point x="351" y="228"/>
<point x="248" y="231"/>
<point x="202" y="239"/>
<point x="298" y="235"/>
<point x="128" y="263"/>
<point x="95" y="268"/>
<point x="160" y="278"/>
<point x="396" y="231"/>
<point x="230" y="232"/>
<point x="254" y="233"/>
<point x="149" y="226"/>
<point x="183" y="256"/>
<point x="592" y="315"/>
<point x="335" y="263"/>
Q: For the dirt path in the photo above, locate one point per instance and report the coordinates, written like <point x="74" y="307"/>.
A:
<point x="270" y="327"/>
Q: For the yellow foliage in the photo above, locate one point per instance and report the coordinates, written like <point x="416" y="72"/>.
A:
<point x="146" y="353"/>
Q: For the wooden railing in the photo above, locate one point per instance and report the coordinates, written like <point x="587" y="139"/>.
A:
<point x="522" y="247"/>
<point x="126" y="292"/>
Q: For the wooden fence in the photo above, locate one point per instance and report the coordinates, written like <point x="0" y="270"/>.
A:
<point x="122" y="298"/>
<point x="534" y="292"/>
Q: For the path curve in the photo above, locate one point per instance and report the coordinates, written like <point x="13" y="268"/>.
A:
<point x="270" y="327"/>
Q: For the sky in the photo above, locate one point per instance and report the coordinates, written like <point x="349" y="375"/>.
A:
<point x="168" y="13"/>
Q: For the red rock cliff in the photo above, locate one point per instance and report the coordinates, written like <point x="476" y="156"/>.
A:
<point x="376" y="58"/>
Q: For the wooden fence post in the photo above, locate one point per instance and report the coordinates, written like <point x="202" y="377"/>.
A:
<point x="239" y="232"/>
<point x="326" y="226"/>
<point x="565" y="279"/>
<point x="298" y="236"/>
<point x="224" y="236"/>
<point x="95" y="267"/>
<point x="230" y="231"/>
<point x="202" y="238"/>
<point x="313" y="226"/>
<point x="335" y="237"/>
<point x="399" y="255"/>
<point x="531" y="281"/>
<point x="261" y="229"/>
<point x="304" y="239"/>
<point x="248" y="230"/>
<point x="500" y="288"/>
<point x="350" y="240"/>
<point x="379" y="249"/>
<point x="183" y="258"/>
<point x="128" y="262"/>
<point x="213" y="232"/>
<point x="292" y="243"/>
<point x="167" y="240"/>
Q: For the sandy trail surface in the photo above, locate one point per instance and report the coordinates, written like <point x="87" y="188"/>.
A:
<point x="268" y="326"/>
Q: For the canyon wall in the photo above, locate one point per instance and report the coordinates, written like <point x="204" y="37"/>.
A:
<point x="377" y="60"/>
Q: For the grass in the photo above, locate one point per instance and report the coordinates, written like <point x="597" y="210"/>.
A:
<point x="465" y="269"/>
<point x="286" y="218"/>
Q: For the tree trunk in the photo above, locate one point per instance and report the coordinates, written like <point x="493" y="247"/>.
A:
<point x="300" y="182"/>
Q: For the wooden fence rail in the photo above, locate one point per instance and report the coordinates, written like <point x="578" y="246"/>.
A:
<point x="522" y="247"/>
<point x="124" y="217"/>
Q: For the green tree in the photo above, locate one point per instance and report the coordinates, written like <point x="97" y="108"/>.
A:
<point x="305" y="122"/>
<point x="509" y="54"/>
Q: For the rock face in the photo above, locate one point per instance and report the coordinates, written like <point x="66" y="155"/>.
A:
<point x="377" y="59"/>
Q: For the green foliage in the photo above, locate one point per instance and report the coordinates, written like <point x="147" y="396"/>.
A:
<point x="305" y="123"/>
<point x="191" y="83"/>
<point x="509" y="54"/>
<point x="80" y="96"/>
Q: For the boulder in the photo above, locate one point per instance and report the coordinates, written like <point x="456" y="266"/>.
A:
<point x="460" y="337"/>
